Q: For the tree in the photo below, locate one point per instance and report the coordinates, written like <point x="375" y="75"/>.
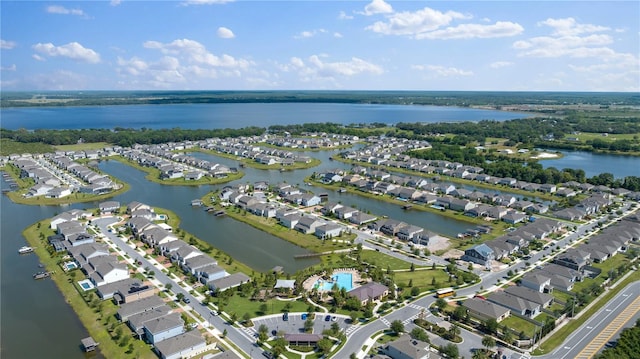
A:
<point x="413" y="267"/>
<point x="490" y="326"/>
<point x="459" y="313"/>
<point x="441" y="304"/>
<point x="397" y="327"/>
<point x="451" y="351"/>
<point x="488" y="342"/>
<point x="308" y="324"/>
<point x="415" y="291"/>
<point x="224" y="333"/>
<point x="263" y="333"/>
<point x="324" y="345"/>
<point x="353" y="317"/>
<point x="246" y="317"/>
<point x="419" y="334"/>
<point x="263" y="308"/>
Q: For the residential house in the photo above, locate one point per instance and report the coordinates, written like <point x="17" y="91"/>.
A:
<point x="536" y="281"/>
<point x="161" y="328"/>
<point x="542" y="299"/>
<point x="184" y="345"/>
<point x="127" y="310"/>
<point x="480" y="254"/>
<point x="230" y="281"/>
<point x="483" y="309"/>
<point x="517" y="305"/>
<point x="328" y="230"/>
<point x="406" y="347"/>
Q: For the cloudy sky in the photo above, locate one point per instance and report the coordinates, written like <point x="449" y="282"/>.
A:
<point x="344" y="45"/>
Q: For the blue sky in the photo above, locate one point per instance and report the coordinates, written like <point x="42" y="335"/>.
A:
<point x="320" y="45"/>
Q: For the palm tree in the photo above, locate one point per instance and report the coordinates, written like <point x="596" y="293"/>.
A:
<point x="488" y="342"/>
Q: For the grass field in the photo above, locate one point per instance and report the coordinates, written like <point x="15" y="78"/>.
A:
<point x="520" y="325"/>
<point x="83" y="146"/>
<point x="9" y="147"/>
<point x="424" y="278"/>
<point x="610" y="137"/>
<point x="383" y="261"/>
<point x="241" y="305"/>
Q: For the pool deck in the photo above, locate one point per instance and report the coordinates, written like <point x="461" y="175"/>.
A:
<point x="311" y="281"/>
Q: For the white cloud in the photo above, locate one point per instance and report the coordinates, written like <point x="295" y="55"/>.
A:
<point x="500" y="64"/>
<point x="7" y="45"/>
<point x="8" y="68"/>
<point x="57" y="9"/>
<point x="205" y="2"/>
<point x="195" y="52"/>
<point x="569" y="27"/>
<point x="315" y="68"/>
<point x="225" y="33"/>
<point x="343" y="16"/>
<point x="471" y="31"/>
<point x="38" y="57"/>
<point x="115" y="2"/>
<point x="72" y="50"/>
<point x="574" y="46"/>
<point x="337" y="35"/>
<point x="377" y="7"/>
<point x="415" y="23"/>
<point x="309" y="33"/>
<point x="442" y="71"/>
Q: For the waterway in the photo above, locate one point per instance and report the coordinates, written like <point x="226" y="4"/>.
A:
<point x="595" y="163"/>
<point x="235" y="115"/>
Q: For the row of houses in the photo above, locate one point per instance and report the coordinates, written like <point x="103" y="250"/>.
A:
<point x="314" y="142"/>
<point x="190" y="259"/>
<point x="58" y="176"/>
<point x="289" y="217"/>
<point x="512" y="242"/>
<point x="262" y="155"/>
<point x="153" y="320"/>
<point x="388" y="152"/>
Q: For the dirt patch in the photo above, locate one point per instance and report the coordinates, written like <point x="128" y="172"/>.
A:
<point x="438" y="243"/>
<point x="453" y="253"/>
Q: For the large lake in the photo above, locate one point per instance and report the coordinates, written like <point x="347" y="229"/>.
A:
<point x="595" y="163"/>
<point x="235" y="115"/>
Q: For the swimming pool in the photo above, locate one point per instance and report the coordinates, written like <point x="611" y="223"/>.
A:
<point x="86" y="284"/>
<point x="342" y="279"/>
<point x="70" y="265"/>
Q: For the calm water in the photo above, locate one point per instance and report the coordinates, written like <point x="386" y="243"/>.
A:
<point x="596" y="163"/>
<point x="209" y="116"/>
<point x="36" y="322"/>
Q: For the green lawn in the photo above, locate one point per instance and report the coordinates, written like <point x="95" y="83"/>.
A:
<point x="83" y="146"/>
<point x="519" y="325"/>
<point x="384" y="261"/>
<point x="586" y="136"/>
<point x="424" y="278"/>
<point x="241" y="305"/>
<point x="611" y="263"/>
<point x="561" y="295"/>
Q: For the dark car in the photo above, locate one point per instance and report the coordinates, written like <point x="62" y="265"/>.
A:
<point x="327" y="318"/>
<point x="186" y="300"/>
<point x="285" y="317"/>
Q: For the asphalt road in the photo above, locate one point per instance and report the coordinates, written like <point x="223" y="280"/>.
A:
<point x="574" y="345"/>
<point x="244" y="340"/>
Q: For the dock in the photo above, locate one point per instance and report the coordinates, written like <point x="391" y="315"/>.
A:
<point x="42" y="275"/>
<point x="407" y="207"/>
<point x="88" y="344"/>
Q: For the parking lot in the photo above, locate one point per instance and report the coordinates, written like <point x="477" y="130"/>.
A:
<point x="295" y="322"/>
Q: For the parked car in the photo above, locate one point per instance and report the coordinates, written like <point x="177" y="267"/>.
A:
<point x="285" y="317"/>
<point x="334" y="318"/>
<point x="186" y="300"/>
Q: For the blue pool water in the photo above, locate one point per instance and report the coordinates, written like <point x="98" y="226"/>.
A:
<point x="344" y="280"/>
<point x="86" y="286"/>
<point x="71" y="265"/>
